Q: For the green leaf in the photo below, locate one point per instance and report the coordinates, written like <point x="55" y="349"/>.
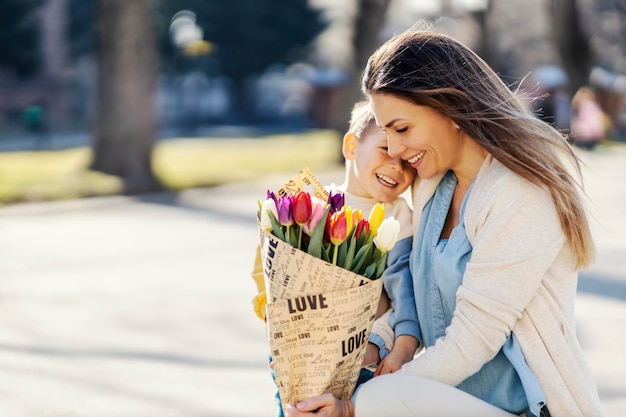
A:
<point x="343" y="251"/>
<point x="276" y="227"/>
<point x="370" y="271"/>
<point x="382" y="262"/>
<point x="350" y="254"/>
<point x="292" y="236"/>
<point x="326" y="253"/>
<point x="362" y="258"/>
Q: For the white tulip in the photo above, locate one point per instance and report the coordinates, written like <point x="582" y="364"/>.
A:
<point x="268" y="206"/>
<point x="387" y="234"/>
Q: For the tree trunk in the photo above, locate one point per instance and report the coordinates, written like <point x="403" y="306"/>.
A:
<point x="369" y="21"/>
<point x="126" y="118"/>
<point x="572" y="42"/>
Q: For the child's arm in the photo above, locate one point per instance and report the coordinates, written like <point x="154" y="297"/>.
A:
<point x="380" y="341"/>
<point x="403" y="317"/>
<point x="260" y="300"/>
<point x="398" y="283"/>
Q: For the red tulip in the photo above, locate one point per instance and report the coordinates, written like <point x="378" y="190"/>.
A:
<point x="301" y="208"/>
<point x="363" y="226"/>
<point x="338" y="228"/>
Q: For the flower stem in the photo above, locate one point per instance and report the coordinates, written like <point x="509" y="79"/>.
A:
<point x="335" y="255"/>
<point x="300" y="237"/>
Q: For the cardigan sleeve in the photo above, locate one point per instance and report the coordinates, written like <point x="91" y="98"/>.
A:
<point x="516" y="235"/>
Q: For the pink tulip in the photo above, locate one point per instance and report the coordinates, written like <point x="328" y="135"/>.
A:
<point x="317" y="211"/>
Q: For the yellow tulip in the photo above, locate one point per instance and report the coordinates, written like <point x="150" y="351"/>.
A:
<point x="349" y="219"/>
<point x="357" y="215"/>
<point x="376" y="218"/>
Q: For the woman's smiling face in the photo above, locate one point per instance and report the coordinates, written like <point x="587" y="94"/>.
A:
<point x="425" y="138"/>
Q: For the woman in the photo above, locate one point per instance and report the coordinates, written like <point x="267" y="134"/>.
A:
<point x="500" y="232"/>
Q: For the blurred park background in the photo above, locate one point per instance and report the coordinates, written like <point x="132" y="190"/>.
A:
<point x="103" y="97"/>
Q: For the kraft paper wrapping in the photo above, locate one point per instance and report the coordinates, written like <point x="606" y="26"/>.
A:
<point x="319" y="318"/>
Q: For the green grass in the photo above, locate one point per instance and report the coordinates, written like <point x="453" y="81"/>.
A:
<point x="178" y="164"/>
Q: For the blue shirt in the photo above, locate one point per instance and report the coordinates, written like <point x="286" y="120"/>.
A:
<point x="437" y="267"/>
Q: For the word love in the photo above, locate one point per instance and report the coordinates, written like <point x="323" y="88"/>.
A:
<point x="310" y="302"/>
<point x="353" y="343"/>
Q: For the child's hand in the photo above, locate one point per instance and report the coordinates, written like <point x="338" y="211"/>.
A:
<point x="372" y="355"/>
<point x="404" y="348"/>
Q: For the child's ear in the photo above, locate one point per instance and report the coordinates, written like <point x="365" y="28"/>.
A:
<point x="349" y="146"/>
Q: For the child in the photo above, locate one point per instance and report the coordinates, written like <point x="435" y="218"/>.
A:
<point x="372" y="176"/>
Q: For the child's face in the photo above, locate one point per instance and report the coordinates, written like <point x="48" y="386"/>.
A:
<point x="372" y="172"/>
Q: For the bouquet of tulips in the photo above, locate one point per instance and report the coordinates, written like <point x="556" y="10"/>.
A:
<point x="322" y="261"/>
<point x="331" y="230"/>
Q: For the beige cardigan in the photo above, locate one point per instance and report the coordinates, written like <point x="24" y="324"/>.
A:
<point x="520" y="278"/>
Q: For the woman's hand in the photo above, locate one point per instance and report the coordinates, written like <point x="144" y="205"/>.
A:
<point x="325" y="405"/>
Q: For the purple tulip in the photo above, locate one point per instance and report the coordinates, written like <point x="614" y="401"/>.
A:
<point x="285" y="216"/>
<point x="270" y="194"/>
<point x="336" y="201"/>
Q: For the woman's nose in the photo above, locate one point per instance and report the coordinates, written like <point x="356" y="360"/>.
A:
<point x="394" y="147"/>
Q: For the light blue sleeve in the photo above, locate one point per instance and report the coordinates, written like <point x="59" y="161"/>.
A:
<point x="378" y="341"/>
<point x="398" y="283"/>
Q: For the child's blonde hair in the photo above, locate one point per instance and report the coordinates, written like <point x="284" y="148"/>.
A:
<point x="361" y="118"/>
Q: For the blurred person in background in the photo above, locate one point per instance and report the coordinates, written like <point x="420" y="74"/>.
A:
<point x="589" y="123"/>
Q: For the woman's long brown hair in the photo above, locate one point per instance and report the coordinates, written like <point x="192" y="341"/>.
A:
<point x="434" y="70"/>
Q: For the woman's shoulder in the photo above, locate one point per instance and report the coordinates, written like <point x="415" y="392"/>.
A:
<point x="497" y="187"/>
<point x="495" y="178"/>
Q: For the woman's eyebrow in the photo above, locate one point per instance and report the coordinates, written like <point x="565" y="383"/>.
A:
<point x="391" y="123"/>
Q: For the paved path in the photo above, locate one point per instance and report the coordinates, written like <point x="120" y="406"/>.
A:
<point x="133" y="307"/>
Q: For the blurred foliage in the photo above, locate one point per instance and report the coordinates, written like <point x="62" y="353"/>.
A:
<point x="19" y="48"/>
<point x="247" y="36"/>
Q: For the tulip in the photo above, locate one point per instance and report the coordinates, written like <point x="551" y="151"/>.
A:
<point x="302" y="208"/>
<point x="357" y="215"/>
<point x="269" y="206"/>
<point x="387" y="234"/>
<point x="270" y="194"/>
<point x="376" y="218"/>
<point x="338" y="228"/>
<point x="316" y="227"/>
<point x="336" y="201"/>
<point x="350" y="223"/>
<point x="317" y="211"/>
<point x="285" y="216"/>
<point x="362" y="227"/>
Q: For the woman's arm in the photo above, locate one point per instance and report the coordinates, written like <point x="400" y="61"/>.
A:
<point x="516" y="236"/>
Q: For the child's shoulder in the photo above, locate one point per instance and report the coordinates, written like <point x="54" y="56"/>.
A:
<point x="400" y="210"/>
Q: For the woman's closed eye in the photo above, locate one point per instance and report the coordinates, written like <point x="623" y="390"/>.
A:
<point x="402" y="129"/>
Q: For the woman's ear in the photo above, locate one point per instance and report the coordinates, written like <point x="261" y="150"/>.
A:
<point x="349" y="146"/>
